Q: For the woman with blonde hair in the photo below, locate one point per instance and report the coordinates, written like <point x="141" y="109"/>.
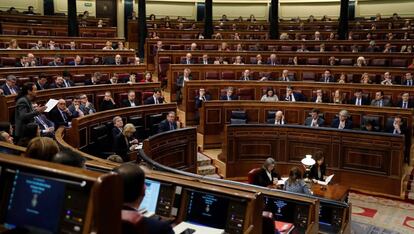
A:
<point x="365" y="79"/>
<point x="42" y="148"/>
<point x="337" y="97"/>
<point x="125" y="142"/>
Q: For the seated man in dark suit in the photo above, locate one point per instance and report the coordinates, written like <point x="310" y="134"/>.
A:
<point x="59" y="83"/>
<point x="133" y="179"/>
<point x="57" y="61"/>
<point x="10" y="87"/>
<point x="156" y="98"/>
<point x="273" y="60"/>
<point x="319" y="98"/>
<point x="230" y="96"/>
<point x="292" y="96"/>
<point x="285" y="76"/>
<point x="342" y="121"/>
<point x="168" y="124"/>
<point x="47" y="127"/>
<point x="76" y="62"/>
<point x="186" y="76"/>
<point x="67" y="79"/>
<point x="267" y="175"/>
<point x="327" y="77"/>
<point x="405" y="101"/>
<point x="359" y="99"/>
<point x="314" y="120"/>
<point x="117" y="60"/>
<point x="188" y="59"/>
<point x="205" y="60"/>
<point x="41" y="83"/>
<point x="397" y="126"/>
<point x="131" y="101"/>
<point x="408" y="81"/>
<point x="380" y="101"/>
<point x="95" y="79"/>
<point x="118" y="126"/>
<point x="60" y="114"/>
<point x="201" y="98"/>
<point x="246" y="75"/>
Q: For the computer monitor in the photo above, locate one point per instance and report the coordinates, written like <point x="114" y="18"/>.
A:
<point x="325" y="215"/>
<point x="207" y="209"/>
<point x="40" y="204"/>
<point x="149" y="203"/>
<point x="282" y="209"/>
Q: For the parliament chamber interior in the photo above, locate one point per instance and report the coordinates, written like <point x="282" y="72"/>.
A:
<point x="202" y="116"/>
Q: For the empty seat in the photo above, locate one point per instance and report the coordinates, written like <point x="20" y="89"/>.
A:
<point x="176" y="47"/>
<point x="8" y="61"/>
<point x="308" y="76"/>
<point x="346" y="61"/>
<point x="79" y="78"/>
<point x="399" y="63"/>
<point x="46" y="60"/>
<point x="228" y="75"/>
<point x="9" y="32"/>
<point x="145" y="95"/>
<point x="87" y="34"/>
<point x="86" y="46"/>
<point x="66" y="60"/>
<point x="87" y="60"/>
<point x="238" y="117"/>
<point x="271" y="116"/>
<point x="286" y="48"/>
<point x="373" y="120"/>
<point x="379" y="62"/>
<point x="313" y="61"/>
<point x="102" y="34"/>
<point x="245" y="93"/>
<point x="210" y="47"/>
<point x="41" y="33"/>
<point x="98" y="45"/>
<point x="212" y="75"/>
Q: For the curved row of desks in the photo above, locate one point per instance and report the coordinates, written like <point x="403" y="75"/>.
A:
<point x="95" y="95"/>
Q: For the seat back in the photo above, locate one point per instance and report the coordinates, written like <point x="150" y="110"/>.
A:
<point x="252" y="174"/>
<point x="373" y="119"/>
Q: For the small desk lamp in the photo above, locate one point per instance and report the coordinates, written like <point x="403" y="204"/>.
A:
<point x="307" y="162"/>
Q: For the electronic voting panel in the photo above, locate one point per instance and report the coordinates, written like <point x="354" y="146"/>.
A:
<point x="161" y="198"/>
<point x="214" y="210"/>
<point x="35" y="202"/>
<point x="290" y="212"/>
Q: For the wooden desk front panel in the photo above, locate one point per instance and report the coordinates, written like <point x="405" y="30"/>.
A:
<point x="355" y="153"/>
<point x="64" y="53"/>
<point x="176" y="149"/>
<point x="216" y="114"/>
<point x="8" y="103"/>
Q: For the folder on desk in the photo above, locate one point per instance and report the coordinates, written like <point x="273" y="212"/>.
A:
<point x="327" y="180"/>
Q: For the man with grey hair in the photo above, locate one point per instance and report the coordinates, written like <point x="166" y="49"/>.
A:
<point x="343" y="121"/>
<point x="229" y="96"/>
<point x="118" y="126"/>
<point x="10" y="87"/>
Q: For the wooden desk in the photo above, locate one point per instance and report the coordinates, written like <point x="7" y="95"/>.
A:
<point x="376" y="159"/>
<point x="334" y="192"/>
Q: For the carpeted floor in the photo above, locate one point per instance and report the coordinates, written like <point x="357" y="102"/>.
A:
<point x="372" y="214"/>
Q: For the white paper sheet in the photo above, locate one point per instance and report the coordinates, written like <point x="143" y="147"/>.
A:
<point x="50" y="104"/>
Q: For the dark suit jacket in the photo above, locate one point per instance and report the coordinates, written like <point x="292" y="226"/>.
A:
<point x="54" y="86"/>
<point x="6" y="90"/>
<point x="405" y="83"/>
<point x="24" y="114"/>
<point x="126" y="103"/>
<point x="116" y="132"/>
<point x="106" y="105"/>
<point x="145" y="226"/>
<point x="54" y="64"/>
<point x="364" y="101"/>
<point x="57" y="119"/>
<point x="180" y="80"/>
<point x="89" y="82"/>
<point x="199" y="103"/>
<point x="150" y="100"/>
<point x="314" y="172"/>
<point x="121" y="146"/>
<point x="335" y="123"/>
<point x="320" y="121"/>
<point x="270" y="63"/>
<point x="72" y="63"/>
<point x="184" y="61"/>
<point x="262" y="179"/>
<point x="410" y="104"/>
<point x="331" y="79"/>
<point x="39" y="87"/>
<point x="70" y="82"/>
<point x="289" y="79"/>
<point x="232" y="97"/>
<point x="324" y="99"/>
<point x="42" y="119"/>
<point x="208" y="61"/>
<point x="164" y="126"/>
<point x="298" y="97"/>
<point x="385" y="102"/>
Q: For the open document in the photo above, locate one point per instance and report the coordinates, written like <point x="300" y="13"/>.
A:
<point x="188" y="228"/>
<point x="327" y="180"/>
<point x="50" y="104"/>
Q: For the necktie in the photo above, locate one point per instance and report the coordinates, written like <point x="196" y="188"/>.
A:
<point x="156" y="101"/>
<point x="188" y="61"/>
<point x="358" y="102"/>
<point x="205" y="62"/>
<point x="246" y="78"/>
<point x="204" y="99"/>
<point x="228" y="98"/>
<point x="409" y="82"/>
<point x="66" y="83"/>
<point x="41" y="122"/>
<point x="63" y="116"/>
<point x="405" y="105"/>
<point x="12" y="91"/>
<point x="380" y="103"/>
<point x="326" y="80"/>
<point x="171" y="127"/>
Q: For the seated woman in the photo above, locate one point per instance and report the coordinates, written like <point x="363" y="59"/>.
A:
<point x="125" y="143"/>
<point x="270" y="96"/>
<point x="338" y="97"/>
<point x="318" y="170"/>
<point x="365" y="79"/>
<point x="147" y="77"/>
<point x="295" y="182"/>
<point x="267" y="174"/>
